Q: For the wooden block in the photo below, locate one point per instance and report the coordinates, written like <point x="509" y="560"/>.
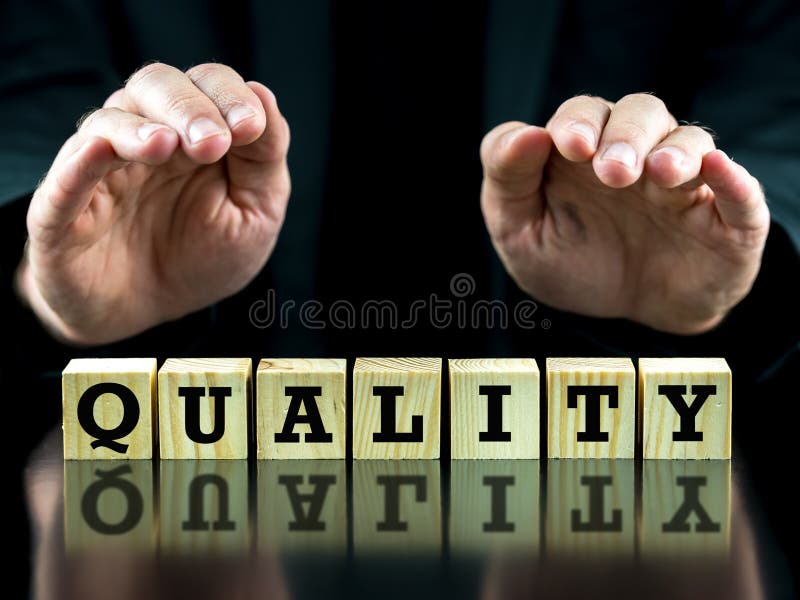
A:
<point x="591" y="411"/>
<point x="686" y="509"/>
<point x="204" y="407"/>
<point x="494" y="507"/>
<point x="109" y="408"/>
<point x="109" y="505"/>
<point x="590" y="508"/>
<point x="685" y="407"/>
<point x="203" y="507"/>
<point x="300" y="408"/>
<point x="396" y="407"/>
<point x="494" y="408"/>
<point x="302" y="507"/>
<point x="397" y="508"/>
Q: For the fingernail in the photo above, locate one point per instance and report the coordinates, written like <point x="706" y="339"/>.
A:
<point x="676" y="154"/>
<point x="238" y="114"/>
<point x="585" y="131"/>
<point x="621" y="153"/>
<point x="148" y="129"/>
<point x="203" y="128"/>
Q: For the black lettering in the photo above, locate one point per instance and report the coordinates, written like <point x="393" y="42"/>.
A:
<point x="303" y="396"/>
<point x="307" y="520"/>
<point x="499" y="522"/>
<point x="192" y="395"/>
<point x="388" y="433"/>
<point x="691" y="504"/>
<point x="392" y="484"/>
<point x="597" y="485"/>
<point x="494" y="417"/>
<point x="196" y="520"/>
<point x="107" y="438"/>
<point x="593" y="395"/>
<point x="687" y="412"/>
<point x="109" y="480"/>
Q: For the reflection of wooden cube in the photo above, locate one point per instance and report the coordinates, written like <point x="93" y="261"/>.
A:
<point x="685" y="407"/>
<point x="203" y="507"/>
<point x="396" y="407"/>
<point x="109" y="408"/>
<point x="591" y="410"/>
<point x="204" y="407"/>
<point x="494" y="507"/>
<point x="300" y="408"/>
<point x="109" y="505"/>
<point x="590" y="508"/>
<point x="302" y="506"/>
<point x="494" y="408"/>
<point x="686" y="509"/>
<point x="397" y="507"/>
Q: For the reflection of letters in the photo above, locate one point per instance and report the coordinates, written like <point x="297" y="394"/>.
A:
<point x="112" y="480"/>
<point x="499" y="486"/>
<point x="192" y="395"/>
<point x="107" y="438"/>
<point x="388" y="433"/>
<point x="307" y="520"/>
<point x="597" y="485"/>
<point x="687" y="412"/>
<point x="593" y="395"/>
<point x="303" y="397"/>
<point x="494" y="416"/>
<point x="391" y="485"/>
<point x="691" y="504"/>
<point x="196" y="520"/>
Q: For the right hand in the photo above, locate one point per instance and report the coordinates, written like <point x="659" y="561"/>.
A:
<point x="165" y="200"/>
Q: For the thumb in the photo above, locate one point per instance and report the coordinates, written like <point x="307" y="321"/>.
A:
<point x="513" y="155"/>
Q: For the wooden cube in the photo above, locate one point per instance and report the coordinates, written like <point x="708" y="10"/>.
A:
<point x="494" y="507"/>
<point x="591" y="410"/>
<point x="591" y="509"/>
<point x="300" y="408"/>
<point x="109" y="506"/>
<point x="302" y="507"/>
<point x="396" y="407"/>
<point x="494" y="408"/>
<point x="204" y="407"/>
<point x="109" y="408"/>
<point x="686" y="509"/>
<point x="397" y="508"/>
<point x="685" y="407"/>
<point x="204" y="507"/>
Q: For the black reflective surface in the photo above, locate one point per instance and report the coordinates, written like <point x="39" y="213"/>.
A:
<point x="394" y="529"/>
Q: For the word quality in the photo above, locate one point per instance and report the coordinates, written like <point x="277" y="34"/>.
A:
<point x="204" y="408"/>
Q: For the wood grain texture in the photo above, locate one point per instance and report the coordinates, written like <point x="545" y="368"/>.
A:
<point x="564" y="423"/>
<point x="302" y="507"/>
<point x="136" y="374"/>
<point x="421" y="382"/>
<point x="670" y="531"/>
<point x="272" y="405"/>
<point x="659" y="420"/>
<point x="109" y="506"/>
<point x="203" y="507"/>
<point x="469" y="409"/>
<point x="397" y="508"/>
<point x="235" y="373"/>
<point x="494" y="507"/>
<point x="569" y="527"/>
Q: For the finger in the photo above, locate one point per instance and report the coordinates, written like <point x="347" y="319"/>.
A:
<point x="239" y="105"/>
<point x="258" y="171"/>
<point x="165" y="94"/>
<point x="576" y="126"/>
<point x="676" y="160"/>
<point x="737" y="194"/>
<point x="133" y="138"/>
<point x="67" y="190"/>
<point x="636" y="124"/>
<point x="513" y="156"/>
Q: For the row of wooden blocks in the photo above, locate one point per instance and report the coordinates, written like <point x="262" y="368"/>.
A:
<point x="588" y="507"/>
<point x="203" y="408"/>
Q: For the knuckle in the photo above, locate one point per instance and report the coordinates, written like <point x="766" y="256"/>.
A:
<point x="183" y="103"/>
<point x="205" y="70"/>
<point x="88" y="118"/>
<point x="650" y="102"/>
<point x="630" y="129"/>
<point x="147" y="73"/>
